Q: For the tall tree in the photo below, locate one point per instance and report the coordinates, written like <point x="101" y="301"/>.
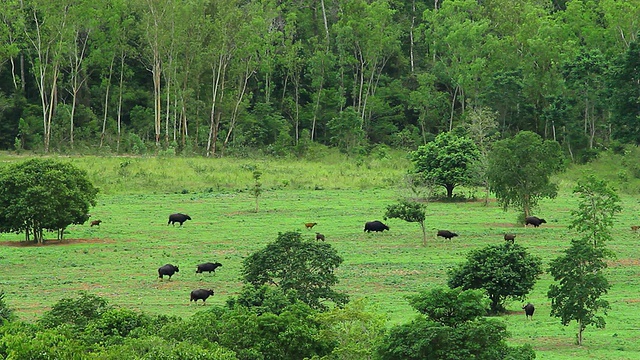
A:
<point x="39" y="195"/>
<point x="520" y="170"/>
<point x="446" y="161"/>
<point x="503" y="271"/>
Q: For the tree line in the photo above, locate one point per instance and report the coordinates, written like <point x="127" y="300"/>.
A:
<point x="220" y="77"/>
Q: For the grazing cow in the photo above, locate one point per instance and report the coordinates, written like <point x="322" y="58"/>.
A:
<point x="310" y="225"/>
<point x="535" y="221"/>
<point x="446" y="234"/>
<point x="96" y="223"/>
<point x="319" y="236"/>
<point x="167" y="270"/>
<point x="208" y="267"/>
<point x="178" y="218"/>
<point x="510" y="238"/>
<point x="200" y="294"/>
<point x="375" y="226"/>
<point x="528" y="311"/>
<point x="635" y="228"/>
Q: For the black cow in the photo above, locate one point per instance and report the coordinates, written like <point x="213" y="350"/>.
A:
<point x="528" y="311"/>
<point x="535" y="221"/>
<point x="446" y="234"/>
<point x="208" y="267"/>
<point x="178" y="218"/>
<point x="375" y="226"/>
<point x="167" y="270"/>
<point x="319" y="236"/>
<point x="200" y="294"/>
<point x="510" y="238"/>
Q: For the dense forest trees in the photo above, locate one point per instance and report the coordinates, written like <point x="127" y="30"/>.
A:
<point x="221" y="77"/>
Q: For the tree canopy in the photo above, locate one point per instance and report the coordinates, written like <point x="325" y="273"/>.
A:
<point x="132" y="76"/>
<point x="292" y="263"/>
<point x="520" y="170"/>
<point x="503" y="271"/>
<point x="446" y="161"/>
<point x="43" y="194"/>
<point x="409" y="211"/>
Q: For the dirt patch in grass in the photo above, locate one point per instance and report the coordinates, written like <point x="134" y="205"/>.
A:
<point x="624" y="262"/>
<point x="56" y="242"/>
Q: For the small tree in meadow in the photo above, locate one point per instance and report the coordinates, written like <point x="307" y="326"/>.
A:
<point x="291" y="263"/>
<point x="520" y="168"/>
<point x="503" y="271"/>
<point x="257" y="187"/>
<point x="580" y="281"/>
<point x="446" y="161"/>
<point x="409" y="211"/>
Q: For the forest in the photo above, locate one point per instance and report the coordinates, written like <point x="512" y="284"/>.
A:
<point x="235" y="77"/>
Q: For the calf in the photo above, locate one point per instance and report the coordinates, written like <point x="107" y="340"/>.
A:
<point x="635" y="228"/>
<point x="167" y="270"/>
<point x="510" y="238"/>
<point x="446" y="234"/>
<point x="310" y="225"/>
<point x="375" y="226"/>
<point x="528" y="311"/>
<point x="208" y="267"/>
<point x="178" y="218"/>
<point x="96" y="223"/>
<point x="319" y="236"/>
<point x="200" y="294"/>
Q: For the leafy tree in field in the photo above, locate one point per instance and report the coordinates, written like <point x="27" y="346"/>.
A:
<point x="257" y="186"/>
<point x="580" y="283"/>
<point x="43" y="194"/>
<point x="503" y="271"/>
<point x="598" y="205"/>
<point x="451" y="326"/>
<point x="446" y="161"/>
<point x="302" y="265"/>
<point x="409" y="211"/>
<point x="520" y="169"/>
<point x="579" y="273"/>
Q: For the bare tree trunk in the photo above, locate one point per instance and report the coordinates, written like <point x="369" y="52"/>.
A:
<point x="234" y="117"/>
<point x="413" y="21"/>
<point x="217" y="84"/>
<point x="106" y="102"/>
<point x="119" y="116"/>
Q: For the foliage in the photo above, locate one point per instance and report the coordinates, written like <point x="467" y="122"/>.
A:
<point x="596" y="210"/>
<point x="446" y="160"/>
<point x="154" y="347"/>
<point x="257" y="187"/>
<point x="78" y="312"/>
<point x="355" y="331"/>
<point x="6" y="313"/>
<point x="520" y="168"/>
<point x="263" y="299"/>
<point x="292" y="334"/>
<point x="580" y="286"/>
<point x="503" y="271"/>
<point x="450" y="307"/>
<point x="302" y="265"/>
<point x="452" y="327"/>
<point x="43" y="194"/>
<point x="409" y="211"/>
<point x="114" y="325"/>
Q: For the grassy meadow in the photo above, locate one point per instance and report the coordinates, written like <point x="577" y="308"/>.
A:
<point x="119" y="259"/>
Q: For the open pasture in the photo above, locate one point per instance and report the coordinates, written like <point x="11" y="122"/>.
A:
<point x="118" y="260"/>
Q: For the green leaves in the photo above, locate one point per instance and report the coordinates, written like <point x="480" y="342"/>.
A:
<point x="520" y="169"/>
<point x="504" y="271"/>
<point x="446" y="161"/>
<point x="295" y="264"/>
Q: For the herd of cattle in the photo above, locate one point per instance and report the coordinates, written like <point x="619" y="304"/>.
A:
<point x="375" y="226"/>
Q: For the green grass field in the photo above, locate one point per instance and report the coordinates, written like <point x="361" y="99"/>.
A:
<point x="119" y="259"/>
